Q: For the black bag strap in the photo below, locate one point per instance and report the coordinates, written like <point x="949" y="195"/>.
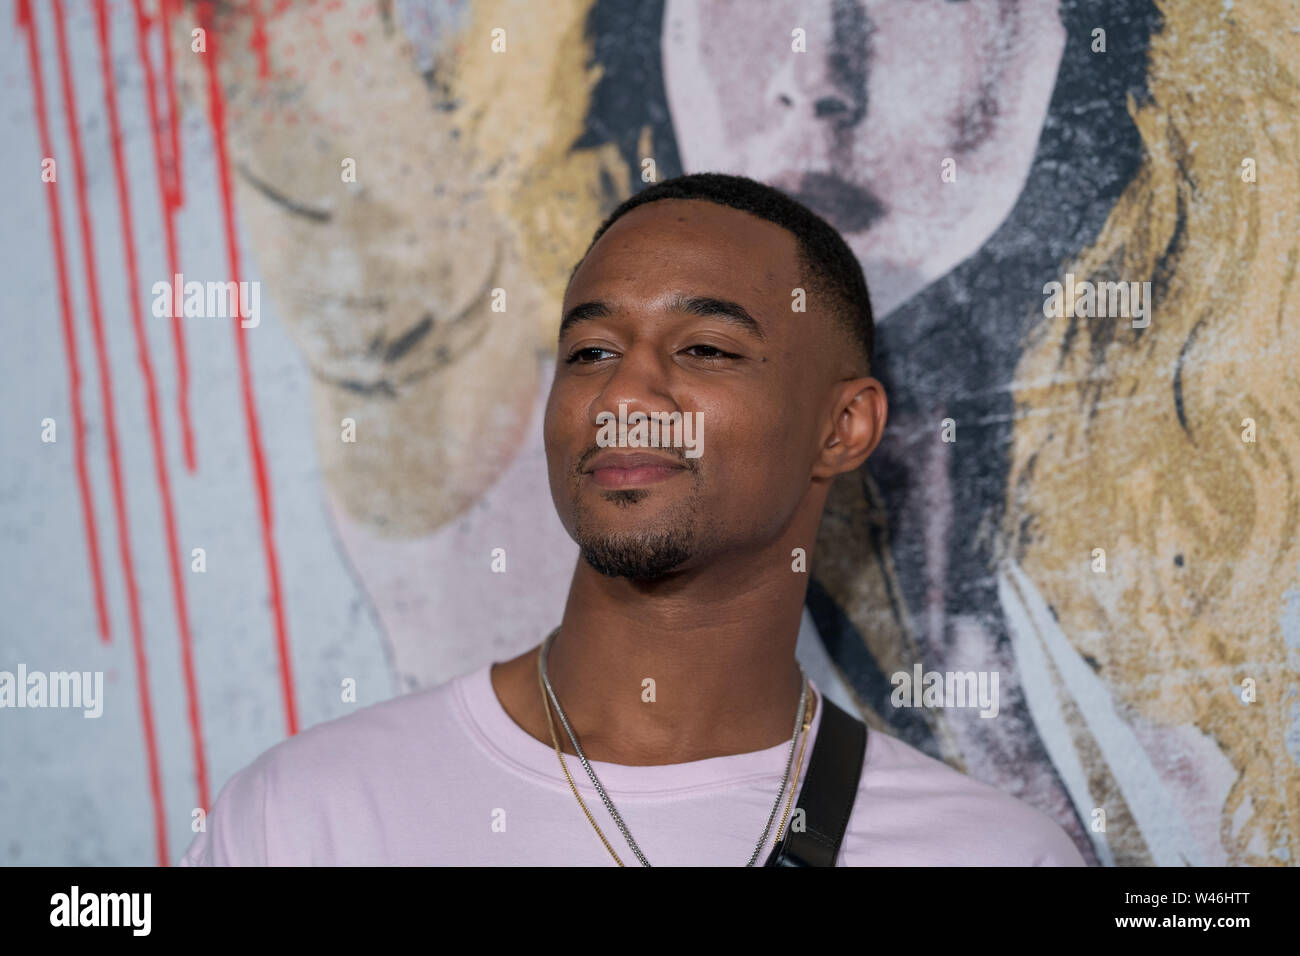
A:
<point x="829" y="789"/>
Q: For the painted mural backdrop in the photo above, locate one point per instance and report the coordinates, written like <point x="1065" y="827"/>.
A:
<point x="256" y="518"/>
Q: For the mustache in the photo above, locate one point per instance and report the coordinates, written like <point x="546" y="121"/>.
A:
<point x="847" y="207"/>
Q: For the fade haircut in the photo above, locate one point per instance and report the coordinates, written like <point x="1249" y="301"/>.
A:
<point x="830" y="269"/>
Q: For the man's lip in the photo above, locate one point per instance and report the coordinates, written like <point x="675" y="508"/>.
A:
<point x="630" y="470"/>
<point x="630" y="460"/>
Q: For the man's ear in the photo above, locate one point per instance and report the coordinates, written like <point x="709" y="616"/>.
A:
<point x="859" y="409"/>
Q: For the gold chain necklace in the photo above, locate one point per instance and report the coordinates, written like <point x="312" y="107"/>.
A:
<point x="559" y="753"/>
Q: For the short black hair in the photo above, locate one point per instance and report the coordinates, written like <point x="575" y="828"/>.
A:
<point x="830" y="267"/>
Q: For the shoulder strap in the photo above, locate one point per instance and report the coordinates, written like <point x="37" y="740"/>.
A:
<point x="829" y="789"/>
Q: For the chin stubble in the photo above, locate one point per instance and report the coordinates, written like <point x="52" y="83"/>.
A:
<point x="643" y="554"/>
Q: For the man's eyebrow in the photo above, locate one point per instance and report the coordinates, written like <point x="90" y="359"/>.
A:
<point x="581" y="313"/>
<point x="725" y="309"/>
<point x="702" y="305"/>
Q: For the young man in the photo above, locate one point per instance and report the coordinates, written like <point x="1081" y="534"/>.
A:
<point x="739" y="322"/>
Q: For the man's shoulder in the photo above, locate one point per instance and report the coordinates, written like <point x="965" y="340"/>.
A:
<point x="418" y="731"/>
<point x="338" y="770"/>
<point x="919" y="810"/>
<point x="377" y="732"/>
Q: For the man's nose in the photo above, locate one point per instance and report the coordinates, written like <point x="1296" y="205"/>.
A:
<point x="640" y="382"/>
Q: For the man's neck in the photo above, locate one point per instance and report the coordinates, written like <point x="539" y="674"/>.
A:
<point x="697" y="665"/>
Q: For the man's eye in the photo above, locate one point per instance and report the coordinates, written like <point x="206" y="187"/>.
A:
<point x="710" y="352"/>
<point x="584" y="357"/>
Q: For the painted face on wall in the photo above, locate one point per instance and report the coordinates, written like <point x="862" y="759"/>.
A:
<point x="859" y="108"/>
<point x="369" y="218"/>
<point x="415" y="293"/>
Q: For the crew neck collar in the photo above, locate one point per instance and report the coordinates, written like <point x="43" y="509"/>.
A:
<point x="497" y="732"/>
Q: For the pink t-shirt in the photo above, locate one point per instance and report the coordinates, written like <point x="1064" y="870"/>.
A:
<point x="446" y="777"/>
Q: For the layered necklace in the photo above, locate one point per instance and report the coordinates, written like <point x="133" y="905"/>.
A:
<point x="802" y="721"/>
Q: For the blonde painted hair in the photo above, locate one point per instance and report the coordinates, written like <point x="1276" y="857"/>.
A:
<point x="1133" y="440"/>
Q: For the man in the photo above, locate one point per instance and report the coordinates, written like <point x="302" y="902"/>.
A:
<point x="723" y="302"/>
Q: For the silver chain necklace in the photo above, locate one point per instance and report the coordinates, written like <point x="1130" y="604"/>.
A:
<point x="609" y="805"/>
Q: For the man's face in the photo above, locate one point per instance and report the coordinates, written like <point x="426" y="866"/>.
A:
<point x="756" y="390"/>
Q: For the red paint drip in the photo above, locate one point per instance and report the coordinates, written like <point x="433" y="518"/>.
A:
<point x="110" y="426"/>
<point x="136" y="308"/>
<point x="28" y="24"/>
<point x="260" y="43"/>
<point x="217" y="116"/>
<point x="167" y="160"/>
<point x="167" y="8"/>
